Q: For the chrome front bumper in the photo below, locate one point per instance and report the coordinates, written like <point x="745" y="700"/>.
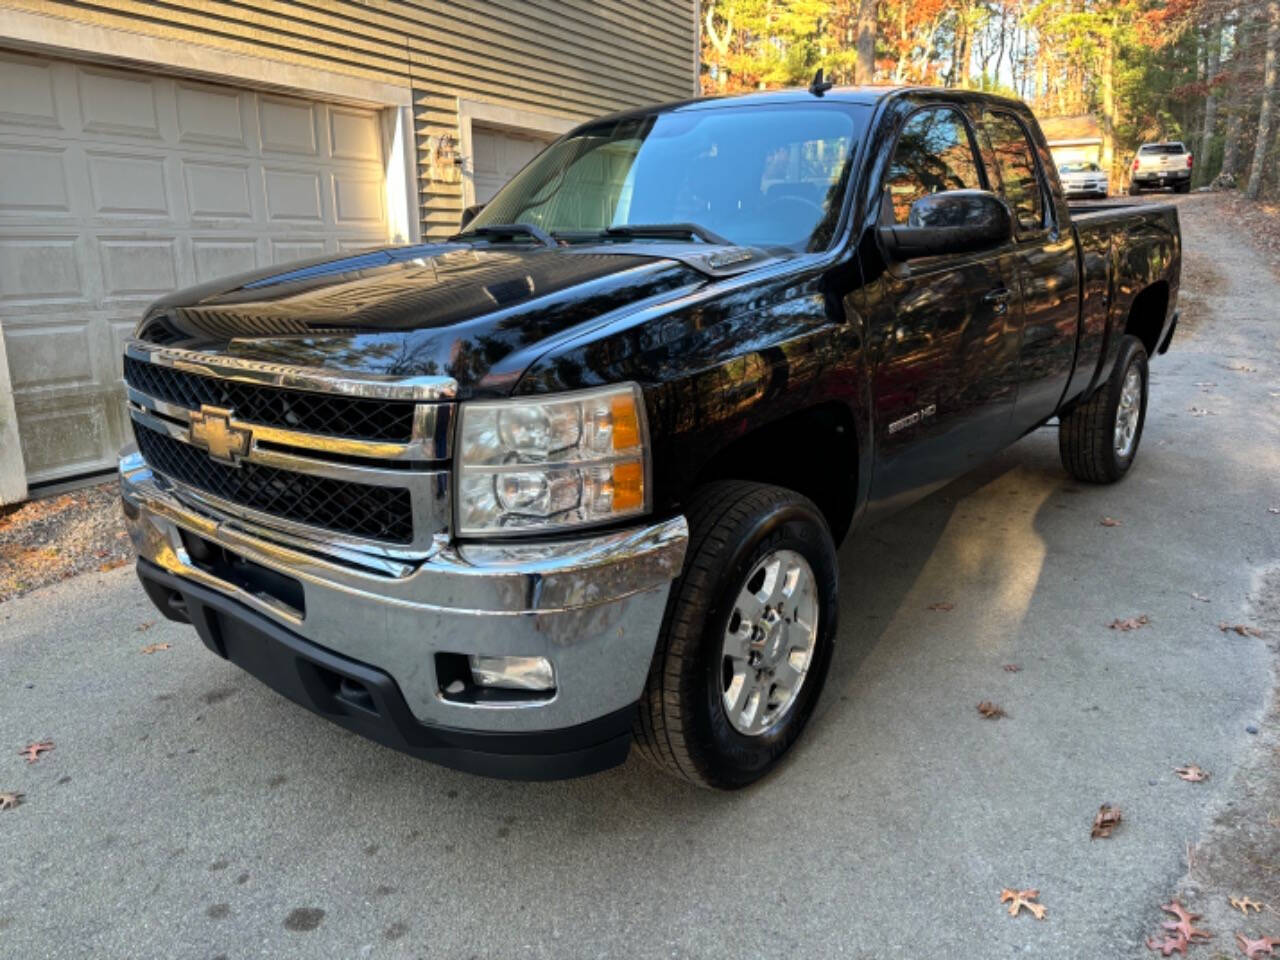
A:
<point x="591" y="605"/>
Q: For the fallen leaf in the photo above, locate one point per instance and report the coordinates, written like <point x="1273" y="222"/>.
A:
<point x="155" y="647"/>
<point x="1273" y="509"/>
<point x="1241" y="628"/>
<point x="146" y="625"/>
<point x="1198" y="411"/>
<point x="10" y="801"/>
<point x="1017" y="899"/>
<point x="1253" y="948"/>
<point x="942" y="605"/>
<point x="1241" y="368"/>
<point x="1168" y="945"/>
<point x="1184" y="926"/>
<point x="1196" y="596"/>
<point x="1011" y="668"/>
<point x="990" y="711"/>
<point x="33" y="751"/>
<point x="1191" y="773"/>
<point x="1243" y="904"/>
<point x="1108" y="819"/>
<point x="1111" y="522"/>
<point x="1130" y="623"/>
<point x="1205" y="383"/>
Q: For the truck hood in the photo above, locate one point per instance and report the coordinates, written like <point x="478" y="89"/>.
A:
<point x="477" y="314"/>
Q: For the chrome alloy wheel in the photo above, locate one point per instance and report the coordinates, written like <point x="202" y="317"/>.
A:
<point x="1128" y="411"/>
<point x="769" y="642"/>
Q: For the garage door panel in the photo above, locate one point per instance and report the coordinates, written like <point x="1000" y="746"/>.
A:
<point x="49" y="355"/>
<point x="217" y="190"/>
<point x="137" y="267"/>
<point x="292" y="194"/>
<point x="353" y="135"/>
<point x="216" y="258"/>
<point x="497" y="155"/>
<point x="61" y="438"/>
<point x="29" y="99"/>
<point x="116" y="187"/>
<point x="34" y="181"/>
<point x="121" y="104"/>
<point x="128" y="185"/>
<point x="40" y="269"/>
<point x="288" y="126"/>
<point x="357" y="200"/>
<point x="211" y="116"/>
<point x="287" y="251"/>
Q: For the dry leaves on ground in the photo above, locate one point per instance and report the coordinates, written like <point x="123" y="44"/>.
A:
<point x="1199" y="411"/>
<point x="990" y="711"/>
<point x="1108" y="819"/>
<point x="942" y="605"/>
<point x="1182" y="932"/>
<point x="10" y="801"/>
<point x="145" y="625"/>
<point x="1111" y="522"/>
<point x="1196" y="596"/>
<point x="1243" y="904"/>
<point x="34" y="751"/>
<point x="1017" y="899"/>
<point x="1254" y="949"/>
<point x="1011" y="668"/>
<point x="155" y="647"/>
<point x="1191" y="773"/>
<point x="1241" y="628"/>
<point x="1130" y="623"/>
<point x="1273" y="509"/>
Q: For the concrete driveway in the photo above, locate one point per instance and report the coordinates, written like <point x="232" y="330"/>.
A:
<point x="188" y="811"/>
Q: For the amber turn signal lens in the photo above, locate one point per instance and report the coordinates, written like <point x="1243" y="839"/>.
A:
<point x="628" y="485"/>
<point x="626" y="423"/>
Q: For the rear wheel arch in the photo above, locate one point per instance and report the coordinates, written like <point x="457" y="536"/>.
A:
<point x="1147" y="315"/>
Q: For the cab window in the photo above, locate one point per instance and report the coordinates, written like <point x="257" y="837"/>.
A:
<point x="1015" y="167"/>
<point x="934" y="153"/>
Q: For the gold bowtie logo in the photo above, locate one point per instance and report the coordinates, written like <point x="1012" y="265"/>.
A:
<point x="211" y="429"/>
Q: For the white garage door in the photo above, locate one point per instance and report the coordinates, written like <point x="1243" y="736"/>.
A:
<point x="498" y="154"/>
<point x="118" y="186"/>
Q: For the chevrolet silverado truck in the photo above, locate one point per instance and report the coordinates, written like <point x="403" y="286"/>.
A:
<point x="1159" y="165"/>
<point x="576" y="476"/>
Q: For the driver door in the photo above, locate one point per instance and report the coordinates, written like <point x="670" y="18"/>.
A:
<point x="946" y="328"/>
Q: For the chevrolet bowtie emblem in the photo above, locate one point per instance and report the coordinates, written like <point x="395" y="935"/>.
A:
<point x="211" y="429"/>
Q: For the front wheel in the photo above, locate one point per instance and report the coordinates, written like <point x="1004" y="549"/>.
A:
<point x="746" y="639"/>
<point x="1098" y="439"/>
<point x="1134" y="190"/>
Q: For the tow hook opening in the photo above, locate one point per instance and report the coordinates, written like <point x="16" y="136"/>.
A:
<point x="458" y="680"/>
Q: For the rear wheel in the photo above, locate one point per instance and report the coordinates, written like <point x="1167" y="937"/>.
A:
<point x="1134" y="189"/>
<point x="1184" y="187"/>
<point x="1098" y="440"/>
<point x="746" y="640"/>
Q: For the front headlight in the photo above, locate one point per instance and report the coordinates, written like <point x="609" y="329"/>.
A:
<point x="544" y="463"/>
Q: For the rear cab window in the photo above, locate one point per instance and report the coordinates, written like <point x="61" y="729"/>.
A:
<point x="1156" y="149"/>
<point x="1016" y="173"/>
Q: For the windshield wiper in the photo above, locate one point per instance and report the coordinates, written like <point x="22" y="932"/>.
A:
<point x="508" y="231"/>
<point x="665" y="231"/>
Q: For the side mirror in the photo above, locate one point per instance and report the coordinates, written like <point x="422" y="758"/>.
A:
<point x="954" y="221"/>
<point x="469" y="214"/>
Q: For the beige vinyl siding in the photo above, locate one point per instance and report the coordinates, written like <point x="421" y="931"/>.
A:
<point x="567" y="58"/>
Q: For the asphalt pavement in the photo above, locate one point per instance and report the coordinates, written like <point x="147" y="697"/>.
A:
<point x="188" y="811"/>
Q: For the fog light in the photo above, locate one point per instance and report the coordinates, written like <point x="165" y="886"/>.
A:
<point x="516" y="673"/>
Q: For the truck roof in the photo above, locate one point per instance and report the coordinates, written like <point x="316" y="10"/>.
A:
<point x="866" y="95"/>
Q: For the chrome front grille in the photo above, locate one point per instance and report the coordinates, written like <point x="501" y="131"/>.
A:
<point x="359" y="464"/>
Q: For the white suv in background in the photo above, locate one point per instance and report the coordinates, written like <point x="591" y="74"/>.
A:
<point x="1083" y="178"/>
<point x="1160" y="165"/>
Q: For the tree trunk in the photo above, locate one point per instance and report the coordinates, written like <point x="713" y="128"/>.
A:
<point x="1211" y="96"/>
<point x="864" y="70"/>
<point x="1108" y="104"/>
<point x="1268" y="100"/>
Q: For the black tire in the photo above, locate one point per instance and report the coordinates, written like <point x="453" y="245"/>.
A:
<point x="1184" y="187"/>
<point x="1134" y="190"/>
<point x="681" y="723"/>
<point x="1086" y="435"/>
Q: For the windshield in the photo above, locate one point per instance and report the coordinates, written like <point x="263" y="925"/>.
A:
<point x="768" y="175"/>
<point x="1079" y="168"/>
<point x="1151" y="148"/>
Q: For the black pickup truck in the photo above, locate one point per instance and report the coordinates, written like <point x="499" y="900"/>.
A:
<point x="576" y="476"/>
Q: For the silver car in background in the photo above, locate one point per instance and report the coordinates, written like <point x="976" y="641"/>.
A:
<point x="1083" y="179"/>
